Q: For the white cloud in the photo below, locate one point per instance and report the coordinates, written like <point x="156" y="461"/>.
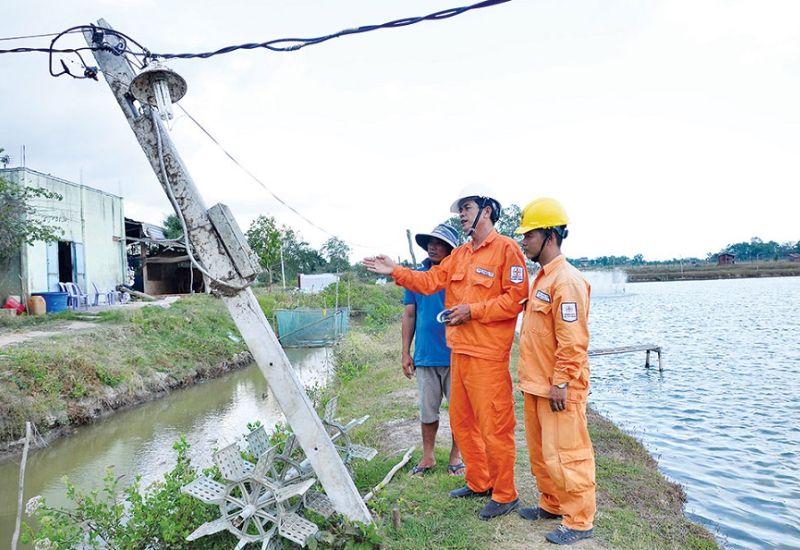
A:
<point x="667" y="129"/>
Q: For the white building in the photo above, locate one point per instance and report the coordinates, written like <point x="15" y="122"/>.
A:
<point x="316" y="282"/>
<point x="91" y="248"/>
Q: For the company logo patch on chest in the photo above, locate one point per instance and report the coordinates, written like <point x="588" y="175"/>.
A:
<point x="543" y="296"/>
<point x="569" y="312"/>
<point x="486" y="272"/>
<point x="517" y="274"/>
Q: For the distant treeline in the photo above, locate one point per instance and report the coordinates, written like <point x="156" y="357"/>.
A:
<point x="753" y="251"/>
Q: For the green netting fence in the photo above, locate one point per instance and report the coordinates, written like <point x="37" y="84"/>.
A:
<point x="307" y="327"/>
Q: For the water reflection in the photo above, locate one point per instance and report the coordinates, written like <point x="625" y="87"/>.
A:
<point x="139" y="440"/>
<point x="722" y="419"/>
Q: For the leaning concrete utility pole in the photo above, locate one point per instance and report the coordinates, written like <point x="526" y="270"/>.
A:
<point x="223" y="252"/>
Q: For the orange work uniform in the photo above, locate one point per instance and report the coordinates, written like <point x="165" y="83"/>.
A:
<point x="554" y="342"/>
<point x="491" y="278"/>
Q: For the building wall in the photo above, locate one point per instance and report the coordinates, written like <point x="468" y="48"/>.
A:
<point x="92" y="219"/>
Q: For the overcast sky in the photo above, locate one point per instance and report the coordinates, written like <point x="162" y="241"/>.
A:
<point x="667" y="128"/>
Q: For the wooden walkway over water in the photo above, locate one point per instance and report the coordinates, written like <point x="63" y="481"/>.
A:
<point x="631" y="349"/>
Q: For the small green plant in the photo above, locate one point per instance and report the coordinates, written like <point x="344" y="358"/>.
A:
<point x="337" y="532"/>
<point x="159" y="516"/>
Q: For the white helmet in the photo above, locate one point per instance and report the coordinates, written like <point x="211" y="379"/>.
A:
<point x="479" y="191"/>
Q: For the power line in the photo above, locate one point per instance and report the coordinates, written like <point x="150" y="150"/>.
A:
<point x="8" y="38"/>
<point x="293" y="44"/>
<point x="261" y="183"/>
<point x="277" y="45"/>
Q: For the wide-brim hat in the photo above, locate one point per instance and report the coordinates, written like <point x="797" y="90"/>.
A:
<point x="443" y="232"/>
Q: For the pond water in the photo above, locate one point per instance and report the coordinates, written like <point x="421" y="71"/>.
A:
<point x="139" y="440"/>
<point x="722" y="419"/>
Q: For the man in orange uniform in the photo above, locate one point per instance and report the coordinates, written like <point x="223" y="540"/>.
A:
<point x="554" y="378"/>
<point x="485" y="282"/>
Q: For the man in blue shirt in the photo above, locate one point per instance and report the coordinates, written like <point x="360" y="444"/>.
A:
<point x="431" y="360"/>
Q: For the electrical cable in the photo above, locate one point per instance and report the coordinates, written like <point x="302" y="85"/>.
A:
<point x="8" y="38"/>
<point x="255" y="178"/>
<point x="276" y="45"/>
<point x="294" y="44"/>
<point x="179" y="212"/>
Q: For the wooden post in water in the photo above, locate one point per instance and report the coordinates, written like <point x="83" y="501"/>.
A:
<point x="20" y="496"/>
<point x="647" y="348"/>
<point x="223" y="252"/>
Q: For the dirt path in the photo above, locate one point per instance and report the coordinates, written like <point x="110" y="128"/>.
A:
<point x="56" y="329"/>
<point x="53" y="330"/>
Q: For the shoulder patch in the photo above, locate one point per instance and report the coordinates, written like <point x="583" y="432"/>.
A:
<point x="517" y="274"/>
<point x="543" y="296"/>
<point x="569" y="312"/>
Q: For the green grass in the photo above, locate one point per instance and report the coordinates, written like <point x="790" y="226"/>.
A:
<point x="28" y="321"/>
<point x="47" y="379"/>
<point x="61" y="380"/>
<point x="128" y="351"/>
<point x="428" y="515"/>
<point x="637" y="507"/>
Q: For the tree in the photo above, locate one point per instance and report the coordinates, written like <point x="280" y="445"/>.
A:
<point x="455" y="223"/>
<point x="509" y="221"/>
<point x="172" y="227"/>
<point x="5" y="159"/>
<point x="337" y="254"/>
<point x="298" y="256"/>
<point x="265" y="240"/>
<point x="19" y="221"/>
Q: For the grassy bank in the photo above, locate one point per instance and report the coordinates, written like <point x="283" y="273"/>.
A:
<point x="124" y="357"/>
<point x="637" y="507"/>
<point x="691" y="272"/>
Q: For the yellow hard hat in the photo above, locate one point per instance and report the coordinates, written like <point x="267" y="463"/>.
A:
<point x="542" y="213"/>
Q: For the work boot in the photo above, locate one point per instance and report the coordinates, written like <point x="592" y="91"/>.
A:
<point x="565" y="535"/>
<point x="466" y="492"/>
<point x="496" y="509"/>
<point x="537" y="513"/>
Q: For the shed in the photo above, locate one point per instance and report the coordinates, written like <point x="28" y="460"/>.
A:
<point x="726" y="258"/>
<point x="160" y="265"/>
<point x="92" y="244"/>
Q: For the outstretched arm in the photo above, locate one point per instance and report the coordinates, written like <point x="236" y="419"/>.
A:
<point x="380" y="264"/>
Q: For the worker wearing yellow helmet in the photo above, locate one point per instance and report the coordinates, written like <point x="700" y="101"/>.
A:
<point x="554" y="378"/>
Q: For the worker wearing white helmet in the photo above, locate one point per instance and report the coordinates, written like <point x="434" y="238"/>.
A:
<point x="485" y="281"/>
<point x="482" y="196"/>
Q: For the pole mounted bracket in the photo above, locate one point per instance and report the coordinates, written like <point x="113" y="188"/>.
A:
<point x="244" y="259"/>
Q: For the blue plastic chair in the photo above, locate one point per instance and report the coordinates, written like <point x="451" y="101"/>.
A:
<point x="108" y="296"/>
<point x="78" y="296"/>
